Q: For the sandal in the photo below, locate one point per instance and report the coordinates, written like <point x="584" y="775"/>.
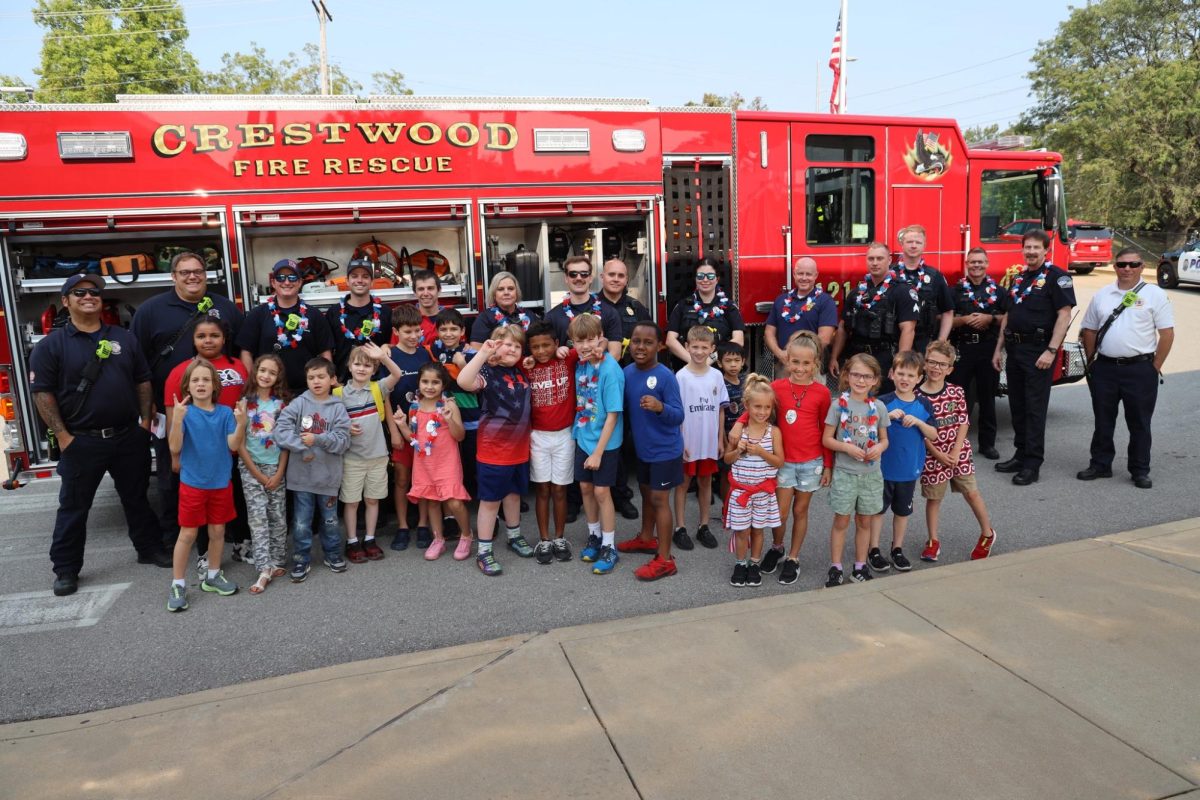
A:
<point x="260" y="585"/>
<point x="278" y="572"/>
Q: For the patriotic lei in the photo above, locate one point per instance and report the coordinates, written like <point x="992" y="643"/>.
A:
<point x="431" y="427"/>
<point x="298" y="324"/>
<point x="922" y="275"/>
<point x="808" y="304"/>
<point x="716" y="310"/>
<point x="368" y="327"/>
<point x="570" y="312"/>
<point x="1038" y="280"/>
<point x="586" y="386"/>
<point x="989" y="293"/>
<point x="880" y="290"/>
<point x="443" y="355"/>
<point x="504" y="320"/>
<point x="847" y="435"/>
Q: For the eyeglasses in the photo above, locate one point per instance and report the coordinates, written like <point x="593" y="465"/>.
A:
<point x="706" y="276"/>
<point x="938" y="364"/>
<point x="189" y="273"/>
<point x="575" y="274"/>
<point x="861" y="376"/>
<point x="85" y="292"/>
<point x="1128" y="264"/>
<point x="287" y="278"/>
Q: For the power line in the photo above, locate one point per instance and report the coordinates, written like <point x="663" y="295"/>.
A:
<point x="925" y="110"/>
<point x="947" y="74"/>
<point x="908" y="103"/>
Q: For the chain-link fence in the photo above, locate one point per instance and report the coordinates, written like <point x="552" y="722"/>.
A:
<point x="1152" y="244"/>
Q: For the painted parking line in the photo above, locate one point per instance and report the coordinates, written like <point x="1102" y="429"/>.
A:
<point x="29" y="612"/>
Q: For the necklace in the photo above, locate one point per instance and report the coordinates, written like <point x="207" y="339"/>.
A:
<point x="787" y="314"/>
<point x="880" y="290"/>
<point x="431" y="426"/>
<point x="872" y="426"/>
<point x="587" y="381"/>
<point x="803" y="393"/>
<point x="570" y="312"/>
<point x="368" y="327"/>
<point x="503" y="320"/>
<point x="989" y="293"/>
<point x="292" y="329"/>
<point x="720" y="304"/>
<point x="921" y="277"/>
<point x="1029" y="282"/>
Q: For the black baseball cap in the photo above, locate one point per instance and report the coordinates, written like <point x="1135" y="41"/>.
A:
<point x="73" y="281"/>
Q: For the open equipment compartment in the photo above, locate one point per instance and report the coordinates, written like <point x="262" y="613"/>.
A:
<point x="266" y="234"/>
<point x="558" y="228"/>
<point x="78" y="241"/>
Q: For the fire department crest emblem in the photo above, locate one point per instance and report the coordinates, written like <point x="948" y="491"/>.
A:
<point x="929" y="157"/>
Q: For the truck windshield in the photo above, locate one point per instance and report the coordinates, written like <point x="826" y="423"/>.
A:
<point x="1006" y="196"/>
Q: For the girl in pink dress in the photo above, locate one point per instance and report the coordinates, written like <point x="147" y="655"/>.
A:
<point x="437" y="477"/>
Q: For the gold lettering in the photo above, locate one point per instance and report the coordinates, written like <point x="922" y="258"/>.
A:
<point x="333" y="166"/>
<point x="443" y="164"/>
<point x="500" y="136"/>
<point x="159" y="142"/>
<point x="425" y="133"/>
<point x="277" y="166"/>
<point x="211" y="137"/>
<point x="297" y="133"/>
<point x="239" y="167"/>
<point x="388" y="131"/>
<point x="400" y="164"/>
<point x="300" y="166"/>
<point x="427" y="166"/>
<point x="354" y="166"/>
<point x="257" y="134"/>
<point x="377" y="165"/>
<point x="334" y="131"/>
<point x="472" y="134"/>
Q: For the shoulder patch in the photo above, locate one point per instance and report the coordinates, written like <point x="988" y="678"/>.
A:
<point x="1065" y="282"/>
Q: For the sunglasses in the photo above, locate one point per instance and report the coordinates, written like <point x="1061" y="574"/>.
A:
<point x="1128" y="264"/>
<point x="573" y="274"/>
<point x="287" y="278"/>
<point x="85" y="292"/>
<point x="706" y="276"/>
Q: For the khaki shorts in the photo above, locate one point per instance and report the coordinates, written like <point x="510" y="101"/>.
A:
<point x="959" y="484"/>
<point x="852" y="493"/>
<point x="364" y="477"/>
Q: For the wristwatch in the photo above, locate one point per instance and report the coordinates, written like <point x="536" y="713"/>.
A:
<point x="1053" y="350"/>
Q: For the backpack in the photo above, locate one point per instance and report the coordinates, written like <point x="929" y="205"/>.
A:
<point x="376" y="393"/>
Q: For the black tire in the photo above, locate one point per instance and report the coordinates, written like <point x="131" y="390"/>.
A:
<point x="1167" y="276"/>
<point x="1083" y="270"/>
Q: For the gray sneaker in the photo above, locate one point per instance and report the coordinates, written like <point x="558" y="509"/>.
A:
<point x="177" y="599"/>
<point x="519" y="546"/>
<point x="544" y="551"/>
<point x="220" y="584"/>
<point x="562" y="549"/>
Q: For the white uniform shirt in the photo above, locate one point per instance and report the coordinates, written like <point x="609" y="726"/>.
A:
<point x="1135" y="331"/>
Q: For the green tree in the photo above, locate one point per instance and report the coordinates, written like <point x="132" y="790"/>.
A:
<point x="390" y="81"/>
<point x="734" y="101"/>
<point x="1118" y="94"/>
<point x="13" y="97"/>
<point x="93" y="50"/>
<point x="981" y="133"/>
<point x="256" y="73"/>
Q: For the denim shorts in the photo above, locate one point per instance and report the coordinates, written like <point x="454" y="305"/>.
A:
<point x="803" y="476"/>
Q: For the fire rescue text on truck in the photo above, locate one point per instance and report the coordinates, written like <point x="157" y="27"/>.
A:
<point x="476" y="186"/>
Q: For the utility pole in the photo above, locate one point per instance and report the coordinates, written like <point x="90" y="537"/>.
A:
<point x="323" y="15"/>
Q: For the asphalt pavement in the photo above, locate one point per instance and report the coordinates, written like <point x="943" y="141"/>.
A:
<point x="116" y="644"/>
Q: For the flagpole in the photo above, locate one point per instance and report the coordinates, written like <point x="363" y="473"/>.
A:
<point x="842" y="54"/>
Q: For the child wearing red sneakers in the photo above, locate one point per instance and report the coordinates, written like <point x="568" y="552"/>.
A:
<point x="948" y="464"/>
<point x="655" y="411"/>
<point x="754" y="458"/>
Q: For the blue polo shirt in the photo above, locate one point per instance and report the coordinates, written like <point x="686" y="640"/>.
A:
<point x="823" y="314"/>
<point x="657" y="437"/>
<point x="156" y="322"/>
<point x="57" y="363"/>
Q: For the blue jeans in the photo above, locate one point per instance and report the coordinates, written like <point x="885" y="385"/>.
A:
<point x="330" y="528"/>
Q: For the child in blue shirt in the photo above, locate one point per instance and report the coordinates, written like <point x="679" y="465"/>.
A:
<point x="655" y="411"/>
<point x="599" y="402"/>
<point x="904" y="459"/>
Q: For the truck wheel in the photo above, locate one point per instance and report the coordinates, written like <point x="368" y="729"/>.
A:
<point x="1084" y="270"/>
<point x="1167" y="277"/>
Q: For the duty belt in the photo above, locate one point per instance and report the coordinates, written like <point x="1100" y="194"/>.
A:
<point x="1026" y="338"/>
<point x="101" y="433"/>
<point x="871" y="346"/>
<point x="1122" y="360"/>
<point x="973" y="338"/>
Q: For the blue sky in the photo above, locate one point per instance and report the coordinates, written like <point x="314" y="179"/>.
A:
<point x="966" y="60"/>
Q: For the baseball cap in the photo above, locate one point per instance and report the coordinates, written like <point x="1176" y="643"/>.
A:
<point x="360" y="263"/>
<point x="285" y="263"/>
<point x="73" y="281"/>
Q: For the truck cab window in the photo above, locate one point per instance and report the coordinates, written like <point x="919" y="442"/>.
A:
<point x="1009" y="204"/>
<point x="840" y="205"/>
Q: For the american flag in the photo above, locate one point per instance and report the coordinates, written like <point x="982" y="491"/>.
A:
<point x="835" y="64"/>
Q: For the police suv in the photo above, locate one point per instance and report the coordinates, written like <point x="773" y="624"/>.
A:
<point x="1180" y="266"/>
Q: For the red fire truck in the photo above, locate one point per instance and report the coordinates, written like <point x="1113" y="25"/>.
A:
<point x="483" y="182"/>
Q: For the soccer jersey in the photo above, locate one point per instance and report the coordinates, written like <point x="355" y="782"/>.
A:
<point x="702" y="395"/>
<point x="552" y="387"/>
<point x="504" y="423"/>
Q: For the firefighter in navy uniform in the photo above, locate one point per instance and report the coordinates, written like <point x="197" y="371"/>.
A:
<point x="708" y="306"/>
<point x="91" y="384"/>
<point x="879" y="318"/>
<point x="936" y="313"/>
<point x="1041" y="299"/>
<point x="979" y="303"/>
<point x="614" y="280"/>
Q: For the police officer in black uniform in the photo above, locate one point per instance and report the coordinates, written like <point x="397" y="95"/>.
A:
<point x="163" y="328"/>
<point x="709" y="306"/>
<point x="979" y="302"/>
<point x="879" y="317"/>
<point x="936" y="313"/>
<point x="614" y="280"/>
<point x="1041" y="299"/>
<point x="581" y="300"/>
<point x="91" y="384"/>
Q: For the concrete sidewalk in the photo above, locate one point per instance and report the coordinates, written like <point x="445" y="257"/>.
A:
<point x="1064" y="672"/>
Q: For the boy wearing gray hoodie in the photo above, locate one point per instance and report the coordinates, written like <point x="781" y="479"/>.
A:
<point x="315" y="428"/>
